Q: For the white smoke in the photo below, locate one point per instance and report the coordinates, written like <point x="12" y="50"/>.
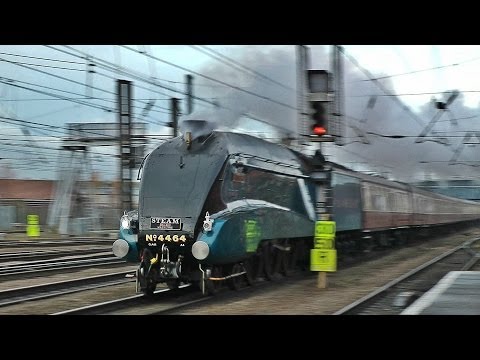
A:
<point x="367" y="107"/>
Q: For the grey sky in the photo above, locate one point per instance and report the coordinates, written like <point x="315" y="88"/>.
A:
<point x="400" y="156"/>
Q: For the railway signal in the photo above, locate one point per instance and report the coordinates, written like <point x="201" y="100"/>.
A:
<point x="319" y="127"/>
<point x="323" y="255"/>
<point x="319" y="98"/>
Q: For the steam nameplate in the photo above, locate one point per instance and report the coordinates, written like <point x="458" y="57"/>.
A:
<point x="166" y="223"/>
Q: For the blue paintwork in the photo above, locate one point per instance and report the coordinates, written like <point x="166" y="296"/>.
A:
<point x="218" y="241"/>
<point x="228" y="240"/>
<point x="131" y="239"/>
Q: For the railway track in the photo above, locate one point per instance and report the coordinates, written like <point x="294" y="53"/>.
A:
<point x="42" y="291"/>
<point x="164" y="300"/>
<point x="166" y="304"/>
<point x="392" y="298"/>
<point x="40" y="266"/>
<point x="55" y="242"/>
<point x="48" y="254"/>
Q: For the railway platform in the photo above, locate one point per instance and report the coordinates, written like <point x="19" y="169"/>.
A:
<point x="457" y="293"/>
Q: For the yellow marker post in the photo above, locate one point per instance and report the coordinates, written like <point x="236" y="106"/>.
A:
<point x="252" y="235"/>
<point x="33" y="227"/>
<point x="323" y="260"/>
<point x="323" y="257"/>
<point x="325" y="229"/>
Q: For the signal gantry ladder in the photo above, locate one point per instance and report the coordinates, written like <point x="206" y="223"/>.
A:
<point x="70" y="186"/>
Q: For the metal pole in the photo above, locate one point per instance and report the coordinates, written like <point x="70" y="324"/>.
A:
<point x="189" y="92"/>
<point x="125" y="133"/>
<point x="174" y="112"/>
<point x="337" y="127"/>
<point x="303" y="60"/>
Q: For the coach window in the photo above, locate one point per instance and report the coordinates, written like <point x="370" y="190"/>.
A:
<point x="391" y="201"/>
<point x="379" y="203"/>
<point x="367" y="197"/>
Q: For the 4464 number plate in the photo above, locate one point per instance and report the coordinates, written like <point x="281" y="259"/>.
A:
<point x="172" y="238"/>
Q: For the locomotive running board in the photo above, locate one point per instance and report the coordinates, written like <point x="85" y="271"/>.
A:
<point x="227" y="277"/>
<point x="217" y="279"/>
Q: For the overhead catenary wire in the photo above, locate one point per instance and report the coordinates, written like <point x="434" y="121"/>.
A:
<point x="57" y="76"/>
<point x="114" y="68"/>
<point x="382" y="87"/>
<point x="144" y="88"/>
<point x="26" y="164"/>
<point x="12" y="82"/>
<point x="13" y="120"/>
<point x="42" y="58"/>
<point x="51" y="128"/>
<point x="64" y="78"/>
<point x="424" y="70"/>
<point x="119" y="70"/>
<point x="80" y="98"/>
<point x="142" y="77"/>
<point x="133" y="75"/>
<point x="412" y="94"/>
<point x="104" y="108"/>
<point x="9" y="80"/>
<point x="362" y="157"/>
<point x="44" y="65"/>
<point x="214" y="80"/>
<point x="58" y="129"/>
<point x="62" y="152"/>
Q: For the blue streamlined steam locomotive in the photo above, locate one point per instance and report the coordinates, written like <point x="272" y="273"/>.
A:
<point x="228" y="207"/>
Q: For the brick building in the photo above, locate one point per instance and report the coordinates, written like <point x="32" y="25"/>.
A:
<point x="19" y="198"/>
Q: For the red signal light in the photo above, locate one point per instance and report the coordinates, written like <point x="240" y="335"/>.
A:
<point x="319" y="130"/>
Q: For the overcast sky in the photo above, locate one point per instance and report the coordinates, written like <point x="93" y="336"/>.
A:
<point x="60" y="71"/>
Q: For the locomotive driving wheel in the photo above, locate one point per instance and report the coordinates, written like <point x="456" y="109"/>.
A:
<point x="302" y="255"/>
<point x="249" y="266"/>
<point x="254" y="266"/>
<point x="173" y="284"/>
<point x="288" y="258"/>
<point x="235" y="283"/>
<point x="269" y="260"/>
